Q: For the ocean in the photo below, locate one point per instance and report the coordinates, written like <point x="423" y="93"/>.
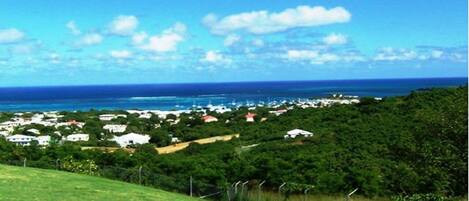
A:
<point x="184" y="96"/>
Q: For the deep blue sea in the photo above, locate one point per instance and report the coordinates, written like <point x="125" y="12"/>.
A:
<point x="183" y="96"/>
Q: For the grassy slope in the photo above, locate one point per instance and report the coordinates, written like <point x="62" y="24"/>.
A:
<point x="18" y="183"/>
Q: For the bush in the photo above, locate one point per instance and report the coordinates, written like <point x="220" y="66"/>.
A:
<point x="422" y="197"/>
<point x="80" y="166"/>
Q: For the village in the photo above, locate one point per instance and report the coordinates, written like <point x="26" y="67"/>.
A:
<point x="21" y="128"/>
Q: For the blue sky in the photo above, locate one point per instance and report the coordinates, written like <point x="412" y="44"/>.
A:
<point x="85" y="42"/>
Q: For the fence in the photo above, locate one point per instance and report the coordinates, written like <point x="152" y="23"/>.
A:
<point x="252" y="190"/>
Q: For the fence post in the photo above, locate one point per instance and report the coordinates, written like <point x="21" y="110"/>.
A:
<point x="228" y="193"/>
<point x="190" y="186"/>
<point x="280" y="188"/>
<point x="236" y="187"/>
<point x="24" y="162"/>
<point x="259" y="190"/>
<point x="140" y="175"/>
<point x="306" y="194"/>
<point x="347" y="198"/>
<point x="242" y="189"/>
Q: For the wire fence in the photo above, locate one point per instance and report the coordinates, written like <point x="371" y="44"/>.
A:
<point x="252" y="190"/>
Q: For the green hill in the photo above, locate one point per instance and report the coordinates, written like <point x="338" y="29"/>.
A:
<point x="19" y="183"/>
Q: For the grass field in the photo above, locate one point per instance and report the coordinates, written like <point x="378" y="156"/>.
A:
<point x="19" y="183"/>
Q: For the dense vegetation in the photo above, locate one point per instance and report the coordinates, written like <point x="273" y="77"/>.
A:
<point x="397" y="146"/>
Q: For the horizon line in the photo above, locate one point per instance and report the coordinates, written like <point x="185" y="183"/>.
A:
<point x="227" y="82"/>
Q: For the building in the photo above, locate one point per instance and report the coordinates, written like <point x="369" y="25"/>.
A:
<point x="278" y="112"/>
<point x="115" y="128"/>
<point x="109" y="117"/>
<point x="43" y="140"/>
<point x="4" y="133"/>
<point x="145" y="116"/>
<point x="77" y="137"/>
<point x="209" y="118"/>
<point x="21" y="139"/>
<point x="250" y="117"/>
<point x="175" y="140"/>
<point x="298" y="132"/>
<point x="131" y="139"/>
<point x="34" y="131"/>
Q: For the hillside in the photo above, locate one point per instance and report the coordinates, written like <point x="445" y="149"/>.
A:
<point x="18" y="183"/>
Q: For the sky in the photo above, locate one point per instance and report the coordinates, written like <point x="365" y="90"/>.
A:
<point x="95" y="42"/>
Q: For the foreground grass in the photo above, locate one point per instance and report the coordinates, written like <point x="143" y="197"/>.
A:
<point x="19" y="183"/>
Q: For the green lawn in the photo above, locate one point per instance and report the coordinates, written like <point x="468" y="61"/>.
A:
<point x="19" y="183"/>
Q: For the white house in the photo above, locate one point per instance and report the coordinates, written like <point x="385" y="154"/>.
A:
<point x="145" y="116"/>
<point x="131" y="138"/>
<point x="278" y="112"/>
<point x="4" y="133"/>
<point x="43" y="140"/>
<point x="7" y="127"/>
<point x="21" y="139"/>
<point x="115" y="128"/>
<point x="175" y="140"/>
<point x="297" y="132"/>
<point x="109" y="117"/>
<point x="34" y="131"/>
<point x="77" y="137"/>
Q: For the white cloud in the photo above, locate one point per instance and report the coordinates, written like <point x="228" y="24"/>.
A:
<point x="120" y="54"/>
<point x="166" y="41"/>
<point x="263" y="22"/>
<point x="215" y="57"/>
<point x="123" y="25"/>
<point x="90" y="39"/>
<point x="54" y="58"/>
<point x="73" y="28"/>
<point x="22" y="49"/>
<point x="10" y="36"/>
<point x="436" y="54"/>
<point x="335" y="39"/>
<point x="313" y="56"/>
<point x="139" y="38"/>
<point x="231" y="39"/>
<point x="258" y="42"/>
<point x="317" y="57"/>
<point x="301" y="54"/>
<point x="392" y="54"/>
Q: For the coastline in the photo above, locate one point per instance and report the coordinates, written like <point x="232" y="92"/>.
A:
<point x="185" y="96"/>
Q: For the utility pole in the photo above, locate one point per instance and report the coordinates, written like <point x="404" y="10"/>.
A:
<point x="350" y="194"/>
<point x="259" y="190"/>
